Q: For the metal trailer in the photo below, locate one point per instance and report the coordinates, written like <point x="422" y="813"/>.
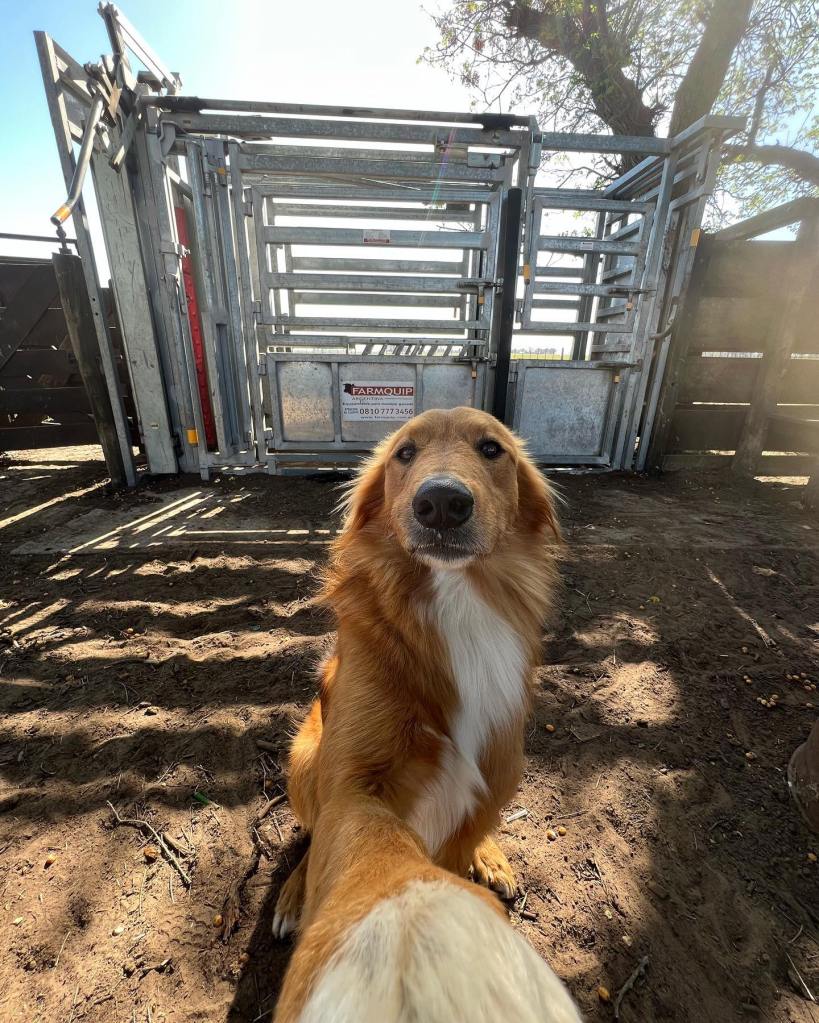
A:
<point x="293" y="281"/>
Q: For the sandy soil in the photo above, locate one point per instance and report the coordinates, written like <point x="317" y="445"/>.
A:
<point x="149" y="643"/>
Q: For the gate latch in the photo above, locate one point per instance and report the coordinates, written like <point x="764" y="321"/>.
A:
<point x="479" y="285"/>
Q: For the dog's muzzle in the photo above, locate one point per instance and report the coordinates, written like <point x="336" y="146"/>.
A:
<point x="442" y="502"/>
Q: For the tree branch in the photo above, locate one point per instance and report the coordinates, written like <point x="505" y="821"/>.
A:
<point x="801" y="163"/>
<point x="699" y="89"/>
<point x="617" y="100"/>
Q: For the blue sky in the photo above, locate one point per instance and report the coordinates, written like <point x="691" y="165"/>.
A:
<point x="361" y="52"/>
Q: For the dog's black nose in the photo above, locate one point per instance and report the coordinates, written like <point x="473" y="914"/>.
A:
<point x="442" y="502"/>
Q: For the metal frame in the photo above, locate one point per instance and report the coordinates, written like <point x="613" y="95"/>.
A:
<point x="280" y="200"/>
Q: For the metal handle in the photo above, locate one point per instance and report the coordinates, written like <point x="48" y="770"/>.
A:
<point x="83" y="160"/>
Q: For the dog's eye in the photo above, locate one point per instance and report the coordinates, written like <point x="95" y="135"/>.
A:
<point x="490" y="449"/>
<point x="406" y="453"/>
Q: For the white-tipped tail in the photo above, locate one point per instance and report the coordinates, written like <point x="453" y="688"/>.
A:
<point x="437" y="953"/>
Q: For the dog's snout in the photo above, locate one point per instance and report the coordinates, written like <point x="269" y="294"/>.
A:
<point x="442" y="502"/>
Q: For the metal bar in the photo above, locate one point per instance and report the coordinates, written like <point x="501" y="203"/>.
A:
<point x="204" y="248"/>
<point x="504" y="321"/>
<point x="382" y="298"/>
<point x="49" y="238"/>
<point x="565" y="199"/>
<point x="580" y="246"/>
<point x="395" y="239"/>
<point x="340" y="340"/>
<point x="490" y="122"/>
<point x="63" y="212"/>
<point x="442" y="170"/>
<point x="356" y="324"/>
<point x="557" y="271"/>
<point x="420" y="266"/>
<point x="373" y="213"/>
<point x="606" y="290"/>
<point x="407" y="193"/>
<point x="583" y="143"/>
<point x="362" y="282"/>
<point x="571" y="327"/>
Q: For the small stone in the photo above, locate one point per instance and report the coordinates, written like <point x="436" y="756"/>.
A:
<point x="217" y="920"/>
<point x="561" y="831"/>
<point x="750" y="756"/>
<point x="151" y="853"/>
<point x="603" y="994"/>
<point x="50" y="860"/>
<point x="118" y="930"/>
<point x="628" y="941"/>
<point x="550" y="728"/>
<point x="151" y="711"/>
<point x="811" y="857"/>
<point x="551" y="835"/>
<point x="18" y="920"/>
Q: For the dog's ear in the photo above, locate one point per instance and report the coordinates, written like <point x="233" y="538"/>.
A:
<point x="365" y="498"/>
<point x="536" y="500"/>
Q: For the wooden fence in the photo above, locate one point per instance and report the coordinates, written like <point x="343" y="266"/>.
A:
<point x="745" y="353"/>
<point x="43" y="403"/>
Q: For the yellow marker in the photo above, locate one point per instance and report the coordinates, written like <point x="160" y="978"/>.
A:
<point x="62" y="214"/>
<point x="527" y="272"/>
<point x="193" y="437"/>
<point x="695" y="237"/>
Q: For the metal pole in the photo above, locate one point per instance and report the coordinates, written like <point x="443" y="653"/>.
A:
<point x="509" y="243"/>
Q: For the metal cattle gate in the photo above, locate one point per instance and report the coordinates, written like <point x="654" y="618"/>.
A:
<point x="294" y="281"/>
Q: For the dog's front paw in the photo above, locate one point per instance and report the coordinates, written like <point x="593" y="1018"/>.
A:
<point x="491" y="868"/>
<point x="289" y="903"/>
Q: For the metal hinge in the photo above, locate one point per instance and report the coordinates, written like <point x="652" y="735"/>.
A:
<point x="247" y="207"/>
<point x="263" y="367"/>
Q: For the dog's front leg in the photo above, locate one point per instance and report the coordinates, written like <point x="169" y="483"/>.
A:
<point x="491" y="868"/>
<point x="290" y="902"/>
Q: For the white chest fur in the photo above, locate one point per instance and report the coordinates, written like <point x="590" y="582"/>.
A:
<point x="488" y="663"/>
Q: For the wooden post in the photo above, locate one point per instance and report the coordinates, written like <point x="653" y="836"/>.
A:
<point x="79" y="319"/>
<point x="777" y="359"/>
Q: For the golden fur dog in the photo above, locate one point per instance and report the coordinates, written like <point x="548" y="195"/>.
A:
<point x="439" y="581"/>
<point x="389" y="938"/>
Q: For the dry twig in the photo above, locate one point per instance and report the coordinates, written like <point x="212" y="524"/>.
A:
<point x="639" y="970"/>
<point x="142" y="825"/>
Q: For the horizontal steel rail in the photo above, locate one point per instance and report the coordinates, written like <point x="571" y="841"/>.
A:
<point x="383" y="298"/>
<point x="410" y="193"/>
<point x="336" y="282"/>
<point x="582" y="246"/>
<point x="365" y="323"/>
<point x="568" y="142"/>
<point x="428" y="213"/>
<point x="420" y="266"/>
<point x="443" y="170"/>
<point x="588" y="201"/>
<point x="571" y="327"/>
<point x="488" y="122"/>
<point x="397" y="239"/>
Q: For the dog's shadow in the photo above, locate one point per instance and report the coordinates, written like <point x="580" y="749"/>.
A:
<point x="260" y="981"/>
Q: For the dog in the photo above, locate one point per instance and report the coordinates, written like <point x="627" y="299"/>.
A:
<point x="440" y="581"/>
<point x="390" y="938"/>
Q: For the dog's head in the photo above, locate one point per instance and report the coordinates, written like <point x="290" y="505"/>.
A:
<point x="451" y="486"/>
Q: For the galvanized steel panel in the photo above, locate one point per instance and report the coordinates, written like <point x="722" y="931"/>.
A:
<point x="564" y="412"/>
<point x="305" y="399"/>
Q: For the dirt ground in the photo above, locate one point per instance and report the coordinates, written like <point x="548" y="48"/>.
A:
<point x="156" y="650"/>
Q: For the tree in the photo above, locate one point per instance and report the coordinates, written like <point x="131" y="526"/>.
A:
<point x="647" y="67"/>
